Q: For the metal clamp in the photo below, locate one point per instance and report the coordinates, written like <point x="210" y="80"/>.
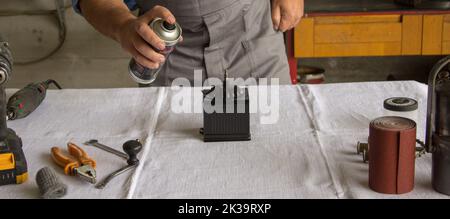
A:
<point x="363" y="149"/>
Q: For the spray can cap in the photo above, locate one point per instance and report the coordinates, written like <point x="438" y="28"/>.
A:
<point x="170" y="33"/>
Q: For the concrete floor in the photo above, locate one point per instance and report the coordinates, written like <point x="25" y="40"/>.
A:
<point x="90" y="60"/>
<point x="86" y="60"/>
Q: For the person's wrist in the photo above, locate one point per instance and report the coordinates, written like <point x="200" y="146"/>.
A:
<point x="122" y="27"/>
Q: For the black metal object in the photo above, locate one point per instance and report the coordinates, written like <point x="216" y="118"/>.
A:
<point x="226" y="114"/>
<point x="438" y="125"/>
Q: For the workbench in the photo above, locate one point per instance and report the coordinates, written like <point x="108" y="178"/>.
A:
<point x="309" y="153"/>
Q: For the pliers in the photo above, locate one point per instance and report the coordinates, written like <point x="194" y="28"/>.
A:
<point x="83" y="166"/>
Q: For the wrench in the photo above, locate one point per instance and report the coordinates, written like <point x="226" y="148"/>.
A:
<point x="111" y="150"/>
<point x="132" y="149"/>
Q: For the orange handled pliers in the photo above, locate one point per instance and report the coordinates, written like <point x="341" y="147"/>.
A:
<point x="83" y="166"/>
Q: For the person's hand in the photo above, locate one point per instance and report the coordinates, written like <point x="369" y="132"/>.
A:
<point x="286" y="14"/>
<point x="136" y="36"/>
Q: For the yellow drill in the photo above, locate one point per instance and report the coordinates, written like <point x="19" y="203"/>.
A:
<point x="13" y="165"/>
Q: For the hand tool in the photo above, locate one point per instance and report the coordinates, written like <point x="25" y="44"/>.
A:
<point x="132" y="149"/>
<point x="50" y="186"/>
<point x="82" y="166"/>
<point x="28" y="99"/>
<point x="111" y="150"/>
<point x="171" y="35"/>
<point x="13" y="165"/>
<point x="438" y="125"/>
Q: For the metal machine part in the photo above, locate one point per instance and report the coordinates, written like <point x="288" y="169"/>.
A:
<point x="226" y="113"/>
<point x="111" y="150"/>
<point x="6" y="62"/>
<point x="363" y="150"/>
<point x="131" y="148"/>
<point x="438" y="125"/>
<point x="171" y="35"/>
<point x="401" y="104"/>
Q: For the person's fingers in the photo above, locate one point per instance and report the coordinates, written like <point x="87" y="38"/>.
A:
<point x="145" y="50"/>
<point x="149" y="36"/>
<point x="298" y="17"/>
<point x="164" y="13"/>
<point x="276" y="15"/>
<point x="142" y="60"/>
<point x="286" y="21"/>
<point x="158" y="11"/>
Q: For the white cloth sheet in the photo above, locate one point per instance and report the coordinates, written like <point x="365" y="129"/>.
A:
<point x="309" y="153"/>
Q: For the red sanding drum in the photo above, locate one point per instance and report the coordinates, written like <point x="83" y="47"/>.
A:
<point x="392" y="143"/>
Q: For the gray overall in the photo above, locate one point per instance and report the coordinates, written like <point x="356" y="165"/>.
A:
<point x="232" y="36"/>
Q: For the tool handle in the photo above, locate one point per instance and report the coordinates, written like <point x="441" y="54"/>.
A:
<point x="65" y="162"/>
<point x="81" y="155"/>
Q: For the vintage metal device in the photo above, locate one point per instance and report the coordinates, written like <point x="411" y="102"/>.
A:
<point x="13" y="165"/>
<point x="438" y="125"/>
<point x="226" y="113"/>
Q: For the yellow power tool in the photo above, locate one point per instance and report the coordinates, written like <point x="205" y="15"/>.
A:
<point x="13" y="165"/>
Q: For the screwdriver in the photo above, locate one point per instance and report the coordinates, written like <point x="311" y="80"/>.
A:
<point x="27" y="100"/>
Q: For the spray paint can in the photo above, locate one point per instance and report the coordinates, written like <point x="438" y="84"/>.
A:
<point x="171" y="35"/>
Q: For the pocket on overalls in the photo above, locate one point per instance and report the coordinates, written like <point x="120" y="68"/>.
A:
<point x="227" y="31"/>
<point x="267" y="56"/>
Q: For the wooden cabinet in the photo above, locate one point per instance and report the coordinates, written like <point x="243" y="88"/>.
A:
<point x="436" y="34"/>
<point x="372" y="35"/>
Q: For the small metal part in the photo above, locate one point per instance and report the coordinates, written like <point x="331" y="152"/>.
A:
<point x="365" y="156"/>
<point x="111" y="150"/>
<point x="111" y="176"/>
<point x="420" y="151"/>
<point x="361" y="147"/>
<point x="6" y="62"/>
<point x="3" y="76"/>
<point x="86" y="173"/>
<point x="10" y="116"/>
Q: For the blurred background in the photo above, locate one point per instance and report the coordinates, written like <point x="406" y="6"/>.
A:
<point x="87" y="59"/>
